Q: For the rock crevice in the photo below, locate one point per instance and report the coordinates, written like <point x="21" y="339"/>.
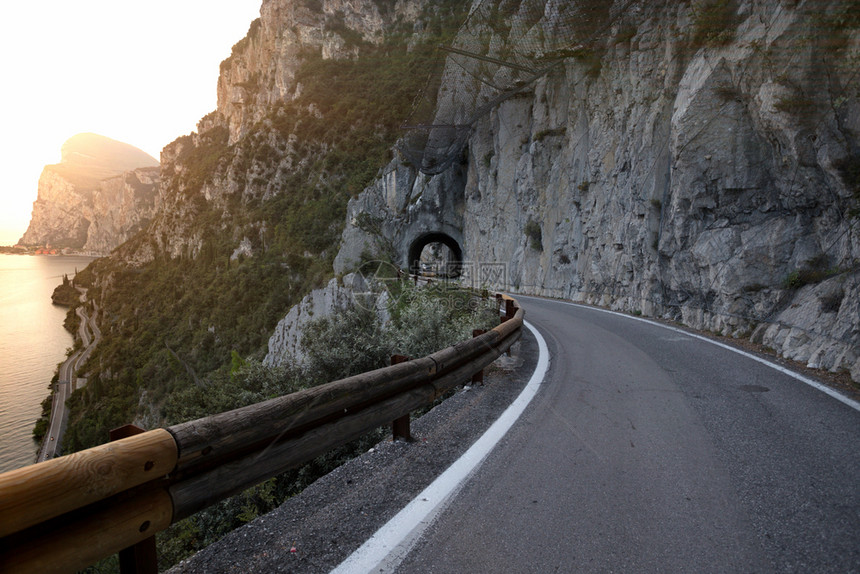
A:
<point x="696" y="182"/>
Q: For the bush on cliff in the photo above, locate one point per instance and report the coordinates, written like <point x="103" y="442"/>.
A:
<point x="344" y="344"/>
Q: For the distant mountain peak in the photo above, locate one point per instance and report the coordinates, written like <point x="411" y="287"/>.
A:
<point x="101" y="193"/>
<point x="97" y="151"/>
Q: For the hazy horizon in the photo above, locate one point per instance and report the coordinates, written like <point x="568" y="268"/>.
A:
<point x="83" y="68"/>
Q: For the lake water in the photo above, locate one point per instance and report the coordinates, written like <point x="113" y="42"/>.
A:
<point x="32" y="343"/>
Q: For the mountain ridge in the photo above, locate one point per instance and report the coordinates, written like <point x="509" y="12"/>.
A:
<point x="90" y="201"/>
<point x="665" y="167"/>
<point x="98" y="151"/>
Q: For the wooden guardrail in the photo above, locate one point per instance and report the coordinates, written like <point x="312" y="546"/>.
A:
<point x="67" y="513"/>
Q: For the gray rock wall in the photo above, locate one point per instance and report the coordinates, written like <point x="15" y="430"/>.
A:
<point x="285" y="344"/>
<point x="697" y="183"/>
<point x="262" y="69"/>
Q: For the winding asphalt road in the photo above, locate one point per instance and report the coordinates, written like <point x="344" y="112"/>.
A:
<point x="651" y="450"/>
<point x="67" y="382"/>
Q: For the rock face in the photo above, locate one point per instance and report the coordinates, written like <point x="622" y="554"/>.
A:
<point x="258" y="77"/>
<point x="101" y="194"/>
<point x="700" y="175"/>
<point x="262" y="68"/>
<point x="286" y="343"/>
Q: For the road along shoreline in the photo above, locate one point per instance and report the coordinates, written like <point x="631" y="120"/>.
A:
<point x="90" y="335"/>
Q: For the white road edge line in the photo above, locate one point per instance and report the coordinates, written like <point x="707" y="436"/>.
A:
<point x="389" y="545"/>
<point x="814" y="384"/>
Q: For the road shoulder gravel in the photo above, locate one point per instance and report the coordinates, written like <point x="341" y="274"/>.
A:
<point x="316" y="530"/>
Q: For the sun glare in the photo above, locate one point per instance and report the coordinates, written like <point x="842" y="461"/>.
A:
<point x="140" y="73"/>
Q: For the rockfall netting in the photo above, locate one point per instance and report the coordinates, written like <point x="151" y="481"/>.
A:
<point x="500" y="50"/>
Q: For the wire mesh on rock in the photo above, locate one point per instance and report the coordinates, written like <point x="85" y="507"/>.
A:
<point x="499" y="51"/>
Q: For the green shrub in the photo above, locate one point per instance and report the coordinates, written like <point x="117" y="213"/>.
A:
<point x="201" y="160"/>
<point x="806" y="276"/>
<point x="714" y="23"/>
<point x="72" y="322"/>
<point x="65" y="293"/>
<point x="348" y="342"/>
<point x="534" y="235"/>
<point x="424" y="320"/>
<point x="336" y="25"/>
<point x="797" y="105"/>
<point x="728" y="93"/>
<point x="539" y="136"/>
<point x="40" y="429"/>
<point x="433" y="318"/>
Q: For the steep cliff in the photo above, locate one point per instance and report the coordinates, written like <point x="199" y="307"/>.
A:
<point x="100" y="194"/>
<point x="693" y="161"/>
<point x="311" y="81"/>
<point x="689" y="160"/>
<point x="250" y="208"/>
<point x="264" y="68"/>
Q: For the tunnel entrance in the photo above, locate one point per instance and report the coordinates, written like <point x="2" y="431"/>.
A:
<point x="436" y="254"/>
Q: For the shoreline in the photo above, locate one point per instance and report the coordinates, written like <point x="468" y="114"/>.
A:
<point x="37" y="342"/>
<point x="5" y="250"/>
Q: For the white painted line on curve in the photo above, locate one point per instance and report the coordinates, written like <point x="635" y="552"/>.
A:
<point x="389" y="545"/>
<point x="814" y="384"/>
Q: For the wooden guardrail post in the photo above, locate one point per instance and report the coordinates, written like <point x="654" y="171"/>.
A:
<point x="400" y="427"/>
<point x="67" y="513"/>
<point x="142" y="558"/>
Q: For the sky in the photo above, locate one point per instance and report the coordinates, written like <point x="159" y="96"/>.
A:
<point x="142" y="73"/>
